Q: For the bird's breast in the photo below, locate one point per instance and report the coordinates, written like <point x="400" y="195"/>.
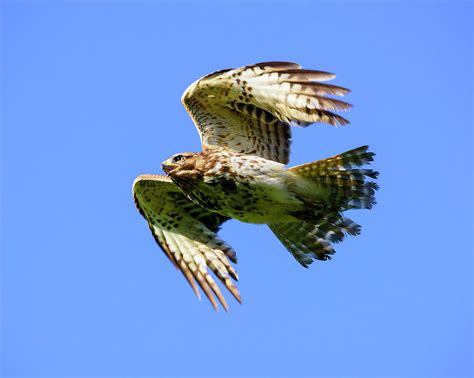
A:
<point x="258" y="199"/>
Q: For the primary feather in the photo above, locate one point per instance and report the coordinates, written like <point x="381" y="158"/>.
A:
<point x="250" y="109"/>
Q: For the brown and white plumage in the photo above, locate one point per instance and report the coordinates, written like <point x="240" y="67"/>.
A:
<point x="244" y="117"/>
<point x="346" y="187"/>
<point x="187" y="234"/>
<point x="250" y="109"/>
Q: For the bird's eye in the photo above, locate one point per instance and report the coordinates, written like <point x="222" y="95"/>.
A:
<point x="178" y="158"/>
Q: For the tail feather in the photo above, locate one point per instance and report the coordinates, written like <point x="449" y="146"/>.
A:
<point x="302" y="241"/>
<point x="346" y="184"/>
<point x="307" y="241"/>
<point x="347" y="160"/>
<point x="342" y="176"/>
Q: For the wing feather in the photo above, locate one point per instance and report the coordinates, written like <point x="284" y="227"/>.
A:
<point x="187" y="234"/>
<point x="250" y="109"/>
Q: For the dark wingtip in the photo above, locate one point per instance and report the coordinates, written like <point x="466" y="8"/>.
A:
<point x="216" y="73"/>
<point x="275" y="64"/>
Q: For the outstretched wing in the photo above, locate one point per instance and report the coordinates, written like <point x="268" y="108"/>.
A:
<point x="187" y="234"/>
<point x="250" y="109"/>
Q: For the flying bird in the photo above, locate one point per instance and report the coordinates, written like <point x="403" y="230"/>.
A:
<point x="244" y="118"/>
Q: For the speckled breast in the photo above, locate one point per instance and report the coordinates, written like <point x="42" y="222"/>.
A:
<point x="241" y="200"/>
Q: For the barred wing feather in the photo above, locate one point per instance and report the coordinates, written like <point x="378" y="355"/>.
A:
<point x="187" y="234"/>
<point x="250" y="109"/>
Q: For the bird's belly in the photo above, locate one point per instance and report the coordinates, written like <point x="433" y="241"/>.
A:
<point x="249" y="202"/>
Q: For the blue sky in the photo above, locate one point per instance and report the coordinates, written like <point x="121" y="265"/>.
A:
<point x="91" y="96"/>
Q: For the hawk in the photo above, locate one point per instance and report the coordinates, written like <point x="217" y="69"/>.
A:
<point x="243" y="117"/>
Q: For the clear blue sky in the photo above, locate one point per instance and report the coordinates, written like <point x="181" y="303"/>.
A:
<point x="91" y="96"/>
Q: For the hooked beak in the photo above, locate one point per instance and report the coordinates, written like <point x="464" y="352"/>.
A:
<point x="168" y="167"/>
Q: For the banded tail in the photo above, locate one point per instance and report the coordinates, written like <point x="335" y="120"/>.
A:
<point x="347" y="188"/>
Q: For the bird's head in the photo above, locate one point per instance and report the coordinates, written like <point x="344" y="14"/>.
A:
<point x="179" y="161"/>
